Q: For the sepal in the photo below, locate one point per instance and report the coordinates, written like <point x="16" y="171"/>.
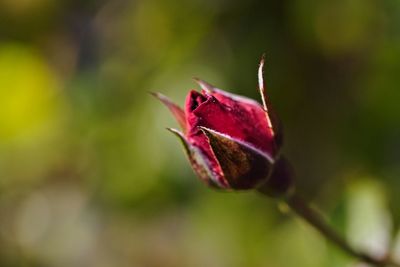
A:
<point x="243" y="166"/>
<point x="281" y="182"/>
<point x="176" y="111"/>
<point x="198" y="161"/>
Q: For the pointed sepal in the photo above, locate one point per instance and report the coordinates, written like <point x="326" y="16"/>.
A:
<point x="176" y="111"/>
<point x="272" y="120"/>
<point x="198" y="161"/>
<point x="243" y="166"/>
<point x="208" y="88"/>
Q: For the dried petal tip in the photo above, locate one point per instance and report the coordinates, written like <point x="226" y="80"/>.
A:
<point x="176" y="111"/>
<point x="243" y="166"/>
<point x="204" y="85"/>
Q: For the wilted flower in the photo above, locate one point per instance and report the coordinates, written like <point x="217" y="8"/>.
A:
<point x="232" y="141"/>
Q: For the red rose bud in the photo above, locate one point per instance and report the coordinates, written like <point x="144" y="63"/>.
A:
<point x="232" y="141"/>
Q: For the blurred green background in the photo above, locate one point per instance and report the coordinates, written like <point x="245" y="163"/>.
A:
<point x="90" y="177"/>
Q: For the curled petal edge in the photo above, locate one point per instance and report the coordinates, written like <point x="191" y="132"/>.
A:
<point x="210" y="89"/>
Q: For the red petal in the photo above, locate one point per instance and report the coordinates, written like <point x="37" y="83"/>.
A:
<point x="225" y="97"/>
<point x="238" y="117"/>
<point x="193" y="100"/>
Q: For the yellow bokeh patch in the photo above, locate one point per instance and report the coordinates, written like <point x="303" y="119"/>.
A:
<point x="27" y="91"/>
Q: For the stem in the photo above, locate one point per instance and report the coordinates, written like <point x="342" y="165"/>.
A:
<point x="301" y="208"/>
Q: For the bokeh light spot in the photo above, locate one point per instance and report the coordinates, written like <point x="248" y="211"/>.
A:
<point x="27" y="87"/>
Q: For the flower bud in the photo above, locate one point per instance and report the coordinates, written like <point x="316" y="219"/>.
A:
<point x="232" y="142"/>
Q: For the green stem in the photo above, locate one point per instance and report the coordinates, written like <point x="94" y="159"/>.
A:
<point x="301" y="208"/>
